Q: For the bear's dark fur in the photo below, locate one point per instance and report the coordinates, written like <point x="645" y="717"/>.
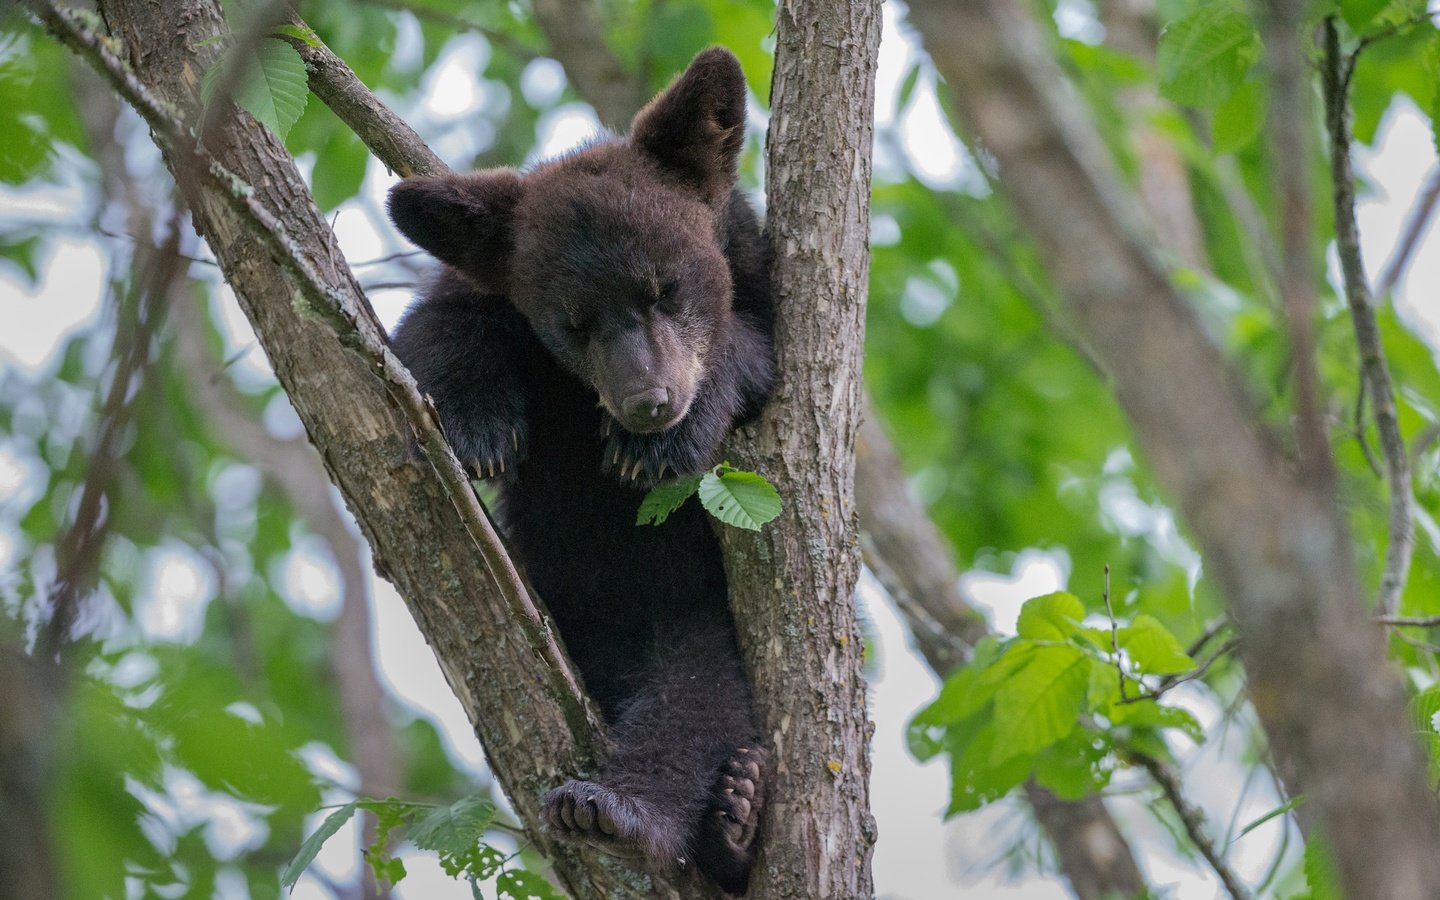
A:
<point x="602" y="322"/>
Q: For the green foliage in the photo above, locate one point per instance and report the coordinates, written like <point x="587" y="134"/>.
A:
<point x="1048" y="704"/>
<point x="273" y="89"/>
<point x="1204" y="55"/>
<point x="455" y="833"/>
<point x="735" y="497"/>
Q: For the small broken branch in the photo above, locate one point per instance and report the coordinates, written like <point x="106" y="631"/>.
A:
<point x="1193" y="820"/>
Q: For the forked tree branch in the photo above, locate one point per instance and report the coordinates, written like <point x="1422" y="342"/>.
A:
<point x="1373" y="369"/>
<point x="361" y="411"/>
<point x="1276" y="544"/>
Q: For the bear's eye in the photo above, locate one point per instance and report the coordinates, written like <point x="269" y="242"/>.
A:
<point x="575" y="330"/>
<point x="669" y="299"/>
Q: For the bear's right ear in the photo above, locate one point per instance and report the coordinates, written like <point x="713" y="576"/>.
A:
<point x="467" y="221"/>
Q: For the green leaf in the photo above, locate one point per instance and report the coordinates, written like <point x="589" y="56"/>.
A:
<point x="1358" y="13"/>
<point x="1321" y="875"/>
<point x="1076" y="767"/>
<point x="742" y="499"/>
<point x="666" y="497"/>
<point x="519" y="884"/>
<point x="1148" y="713"/>
<point x="1041" y="703"/>
<point x="299" y="32"/>
<point x="976" y="778"/>
<point x="1204" y="56"/>
<point x="273" y="89"/>
<point x="1239" y="119"/>
<point x="1280" y="810"/>
<point x="1153" y="649"/>
<point x="339" y="168"/>
<point x="1051" y="617"/>
<point x="907" y="87"/>
<point x="389" y="815"/>
<point x="311" y="848"/>
<point x="455" y="829"/>
<point x="1423" y="709"/>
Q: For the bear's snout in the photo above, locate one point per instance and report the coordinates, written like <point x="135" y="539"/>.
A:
<point x="647" y="410"/>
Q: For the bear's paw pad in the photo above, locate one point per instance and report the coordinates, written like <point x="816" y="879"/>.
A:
<point x="727" y="840"/>
<point x="606" y="819"/>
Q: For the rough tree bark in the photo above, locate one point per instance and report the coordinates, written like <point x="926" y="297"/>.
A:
<point x="1274" y="541"/>
<point x="794" y="586"/>
<point x="507" y="682"/>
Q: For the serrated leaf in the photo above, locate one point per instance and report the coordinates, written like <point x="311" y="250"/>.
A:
<point x="455" y="829"/>
<point x="311" y="847"/>
<point x="520" y="884"/>
<point x="1050" y="617"/>
<point x="666" y="497"/>
<point x="1153" y="649"/>
<point x="1321" y="875"/>
<point x="1041" y="703"/>
<point x="742" y="499"/>
<point x="1204" y="56"/>
<point x="273" y="88"/>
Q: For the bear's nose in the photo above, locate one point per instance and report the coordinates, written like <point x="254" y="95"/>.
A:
<point x="651" y="404"/>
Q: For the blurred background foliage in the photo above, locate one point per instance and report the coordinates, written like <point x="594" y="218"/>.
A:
<point x="216" y="695"/>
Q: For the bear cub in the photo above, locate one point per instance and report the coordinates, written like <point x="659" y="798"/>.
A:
<point x="601" y="323"/>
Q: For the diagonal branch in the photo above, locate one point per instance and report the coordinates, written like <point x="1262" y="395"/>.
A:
<point x="1373" y="369"/>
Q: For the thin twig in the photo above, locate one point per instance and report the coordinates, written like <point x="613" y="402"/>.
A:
<point x="355" y="329"/>
<point x="516" y="48"/>
<point x="1408" y="621"/>
<point x="1114" y="636"/>
<point x="1357" y="427"/>
<point x="1415" y="224"/>
<point x="1374" y="371"/>
<point x="1193" y="821"/>
<point x="78" y="548"/>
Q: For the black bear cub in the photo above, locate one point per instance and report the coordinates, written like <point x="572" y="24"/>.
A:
<point x="601" y="323"/>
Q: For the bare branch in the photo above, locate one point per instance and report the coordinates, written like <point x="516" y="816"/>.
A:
<point x="78" y="548"/>
<point x="1193" y="821"/>
<point x="1373" y="369"/>
<point x="1409" y="621"/>
<point x="500" y="39"/>
<point x="573" y="31"/>
<point x="1415" y="224"/>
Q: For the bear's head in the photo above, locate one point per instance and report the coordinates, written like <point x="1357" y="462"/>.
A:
<point x="614" y="252"/>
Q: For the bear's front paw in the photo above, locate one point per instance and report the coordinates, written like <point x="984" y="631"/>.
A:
<point x="611" y="821"/>
<point x="489" y="449"/>
<point x="647" y="459"/>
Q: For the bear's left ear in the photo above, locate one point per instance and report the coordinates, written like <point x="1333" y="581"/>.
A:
<point x="467" y="221"/>
<point x="695" y="128"/>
